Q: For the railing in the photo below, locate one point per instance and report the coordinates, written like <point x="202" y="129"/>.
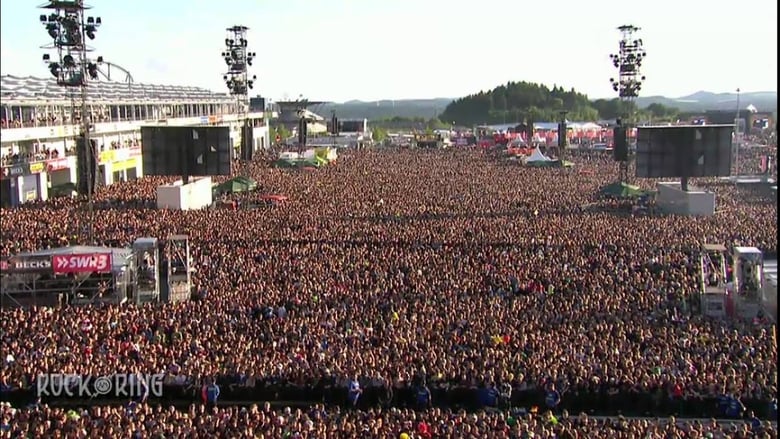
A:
<point x="112" y="155"/>
<point x="101" y="128"/>
<point x="593" y="401"/>
<point x="19" y="159"/>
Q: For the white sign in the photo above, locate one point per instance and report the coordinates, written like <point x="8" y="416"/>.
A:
<point x="32" y="264"/>
<point x="121" y="385"/>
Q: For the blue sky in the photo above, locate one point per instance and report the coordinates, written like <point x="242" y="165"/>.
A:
<point x="394" y="49"/>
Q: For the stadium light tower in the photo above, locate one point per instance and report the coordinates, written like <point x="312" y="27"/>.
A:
<point x="69" y="27"/>
<point x="628" y="84"/>
<point x="737" y="140"/>
<point x="239" y="59"/>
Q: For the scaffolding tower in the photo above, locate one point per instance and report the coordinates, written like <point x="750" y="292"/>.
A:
<point x="178" y="272"/>
<point x="147" y="260"/>
<point x="715" y="300"/>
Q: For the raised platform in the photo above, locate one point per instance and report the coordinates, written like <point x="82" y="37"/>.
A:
<point x="191" y="196"/>
<point x="693" y="202"/>
<point x="749" y="179"/>
<point x="770" y="288"/>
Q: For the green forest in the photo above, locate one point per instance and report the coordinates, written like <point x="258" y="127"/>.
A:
<point x="529" y="102"/>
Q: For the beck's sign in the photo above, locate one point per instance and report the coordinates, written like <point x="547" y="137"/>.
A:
<point x="28" y="264"/>
<point x="82" y="263"/>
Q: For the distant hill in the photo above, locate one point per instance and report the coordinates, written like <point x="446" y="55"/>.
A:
<point x="705" y="100"/>
<point x="428" y="108"/>
<point x="386" y="109"/>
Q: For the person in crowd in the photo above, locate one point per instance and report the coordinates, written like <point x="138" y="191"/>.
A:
<point x="210" y="393"/>
<point x="253" y="421"/>
<point x="422" y="396"/>
<point x="552" y="397"/>
<point x="354" y="391"/>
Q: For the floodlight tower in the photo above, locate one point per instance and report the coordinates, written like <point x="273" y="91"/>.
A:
<point x="628" y="61"/>
<point x="737" y="141"/>
<point x="69" y="27"/>
<point x="239" y="59"/>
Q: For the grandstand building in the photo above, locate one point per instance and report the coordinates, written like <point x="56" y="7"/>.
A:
<point x="41" y="120"/>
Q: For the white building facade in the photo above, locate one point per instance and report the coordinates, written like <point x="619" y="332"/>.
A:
<point x="41" y="121"/>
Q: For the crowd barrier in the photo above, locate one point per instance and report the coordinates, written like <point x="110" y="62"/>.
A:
<point x="597" y="403"/>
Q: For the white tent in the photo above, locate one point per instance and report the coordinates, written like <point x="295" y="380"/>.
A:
<point x="589" y="126"/>
<point x="537" y="156"/>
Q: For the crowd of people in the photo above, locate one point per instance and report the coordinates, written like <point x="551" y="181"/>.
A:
<point x="143" y="421"/>
<point x="405" y="269"/>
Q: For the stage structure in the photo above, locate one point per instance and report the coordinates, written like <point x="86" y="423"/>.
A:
<point x="178" y="285"/>
<point x="290" y="111"/>
<point x="69" y="27"/>
<point x="69" y="275"/>
<point x="147" y="258"/>
<point x="147" y="272"/>
<point x="628" y="62"/>
<point x="748" y="281"/>
<point x="715" y="299"/>
<point x="428" y="141"/>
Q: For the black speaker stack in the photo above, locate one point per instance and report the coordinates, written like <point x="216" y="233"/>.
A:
<point x="247" y="143"/>
<point x="562" y="134"/>
<point x="86" y="166"/>
<point x="620" y="147"/>
<point x="302" y="128"/>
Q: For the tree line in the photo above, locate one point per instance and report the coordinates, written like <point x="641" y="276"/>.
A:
<point x="528" y="102"/>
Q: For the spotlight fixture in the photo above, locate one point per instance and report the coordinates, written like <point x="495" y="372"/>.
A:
<point x="54" y="69"/>
<point x="53" y="30"/>
<point x="628" y="61"/>
<point x="237" y="59"/>
<point x="92" y="69"/>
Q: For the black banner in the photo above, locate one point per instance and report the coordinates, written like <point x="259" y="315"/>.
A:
<point x="599" y="401"/>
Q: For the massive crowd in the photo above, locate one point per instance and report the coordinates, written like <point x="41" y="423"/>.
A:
<point x="143" y="421"/>
<point x="398" y="269"/>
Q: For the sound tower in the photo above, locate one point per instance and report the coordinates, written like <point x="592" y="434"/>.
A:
<point x="86" y="166"/>
<point x="247" y="143"/>
<point x="620" y="148"/>
<point x="302" y="127"/>
<point x="334" y="125"/>
<point x="529" y="132"/>
<point x="562" y="135"/>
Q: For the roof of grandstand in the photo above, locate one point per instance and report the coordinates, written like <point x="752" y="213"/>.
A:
<point x="30" y="89"/>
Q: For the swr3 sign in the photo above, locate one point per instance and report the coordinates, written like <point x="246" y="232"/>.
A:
<point x="83" y="263"/>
